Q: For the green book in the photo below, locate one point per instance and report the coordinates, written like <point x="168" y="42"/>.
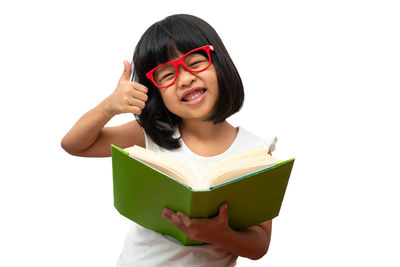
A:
<point x="141" y="192"/>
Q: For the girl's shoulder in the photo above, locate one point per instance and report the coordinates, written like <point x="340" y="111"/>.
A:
<point x="248" y="140"/>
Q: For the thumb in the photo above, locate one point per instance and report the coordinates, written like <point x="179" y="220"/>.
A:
<point x="127" y="71"/>
<point x="223" y="212"/>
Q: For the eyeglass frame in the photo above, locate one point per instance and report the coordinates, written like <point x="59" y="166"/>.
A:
<point x="179" y="61"/>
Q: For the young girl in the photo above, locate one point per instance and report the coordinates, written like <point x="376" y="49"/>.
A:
<point x="187" y="86"/>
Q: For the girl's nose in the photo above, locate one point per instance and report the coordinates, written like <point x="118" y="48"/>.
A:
<point x="185" y="77"/>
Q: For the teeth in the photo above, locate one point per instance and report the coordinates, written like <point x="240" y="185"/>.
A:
<point x="193" y="96"/>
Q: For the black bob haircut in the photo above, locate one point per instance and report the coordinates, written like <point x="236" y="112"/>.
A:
<point x="156" y="46"/>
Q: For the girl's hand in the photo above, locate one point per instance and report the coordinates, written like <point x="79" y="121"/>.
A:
<point x="208" y="230"/>
<point x="128" y="97"/>
<point x="251" y="243"/>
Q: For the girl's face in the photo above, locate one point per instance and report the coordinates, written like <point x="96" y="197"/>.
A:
<point x="194" y="95"/>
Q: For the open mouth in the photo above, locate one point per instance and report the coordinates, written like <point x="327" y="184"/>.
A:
<point x="193" y="95"/>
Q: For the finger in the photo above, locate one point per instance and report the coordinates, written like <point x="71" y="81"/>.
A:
<point x="140" y="95"/>
<point x="174" y="219"/>
<point x="169" y="214"/>
<point x="185" y="219"/>
<point x="134" y="110"/>
<point x="136" y="103"/>
<point x="223" y="211"/>
<point x="140" y="87"/>
<point x="127" y="71"/>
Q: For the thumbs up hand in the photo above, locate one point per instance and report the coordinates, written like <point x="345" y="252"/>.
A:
<point x="128" y="97"/>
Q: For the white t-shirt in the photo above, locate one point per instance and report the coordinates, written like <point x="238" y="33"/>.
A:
<point x="144" y="247"/>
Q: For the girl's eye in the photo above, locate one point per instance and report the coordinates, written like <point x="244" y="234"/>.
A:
<point x="198" y="63"/>
<point x="194" y="63"/>
<point x="166" y="76"/>
<point x="164" y="73"/>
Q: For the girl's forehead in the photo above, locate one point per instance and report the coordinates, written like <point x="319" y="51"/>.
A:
<point x="171" y="51"/>
<point x="174" y="53"/>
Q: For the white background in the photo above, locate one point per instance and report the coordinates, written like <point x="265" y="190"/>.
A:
<point x="320" y="75"/>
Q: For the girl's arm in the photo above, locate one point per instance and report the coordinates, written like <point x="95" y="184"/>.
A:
<point x="88" y="137"/>
<point x="252" y="243"/>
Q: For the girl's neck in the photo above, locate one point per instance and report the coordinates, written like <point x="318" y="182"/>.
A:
<point x="207" y="138"/>
<point x="203" y="129"/>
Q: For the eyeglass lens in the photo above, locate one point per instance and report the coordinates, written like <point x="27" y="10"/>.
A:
<point x="196" y="61"/>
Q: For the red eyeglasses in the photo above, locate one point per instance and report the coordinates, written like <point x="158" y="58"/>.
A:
<point x="166" y="74"/>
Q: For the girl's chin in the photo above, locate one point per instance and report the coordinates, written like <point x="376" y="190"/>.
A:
<point x="198" y="115"/>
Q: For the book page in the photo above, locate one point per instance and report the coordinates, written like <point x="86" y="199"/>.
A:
<point x="260" y="151"/>
<point x="237" y="166"/>
<point x="171" y="167"/>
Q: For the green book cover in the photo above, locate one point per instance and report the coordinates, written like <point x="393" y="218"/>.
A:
<point x="141" y="193"/>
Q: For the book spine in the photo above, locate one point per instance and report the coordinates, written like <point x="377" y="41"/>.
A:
<point x="201" y="206"/>
<point x="190" y="211"/>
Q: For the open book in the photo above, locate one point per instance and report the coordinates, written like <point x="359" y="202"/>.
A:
<point x="222" y="171"/>
<point x="145" y="183"/>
